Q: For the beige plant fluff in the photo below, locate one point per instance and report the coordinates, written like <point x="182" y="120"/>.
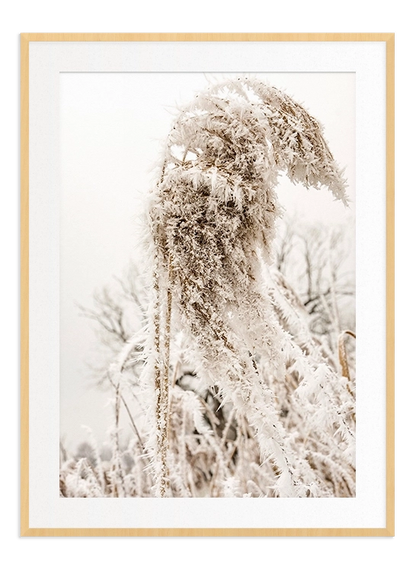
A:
<point x="212" y="218"/>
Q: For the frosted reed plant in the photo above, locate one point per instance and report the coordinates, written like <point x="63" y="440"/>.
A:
<point x="212" y="222"/>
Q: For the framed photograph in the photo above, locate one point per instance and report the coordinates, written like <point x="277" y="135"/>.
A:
<point x="207" y="285"/>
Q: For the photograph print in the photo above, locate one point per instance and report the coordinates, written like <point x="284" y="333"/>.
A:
<point x="207" y="285"/>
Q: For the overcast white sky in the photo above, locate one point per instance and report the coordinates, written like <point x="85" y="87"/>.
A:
<point x="111" y="132"/>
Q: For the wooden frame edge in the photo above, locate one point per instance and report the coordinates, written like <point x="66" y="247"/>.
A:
<point x="209" y="37"/>
<point x="390" y="333"/>
<point x="207" y="532"/>
<point x="24" y="284"/>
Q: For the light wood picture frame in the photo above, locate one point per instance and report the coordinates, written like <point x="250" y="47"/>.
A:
<point x="46" y="56"/>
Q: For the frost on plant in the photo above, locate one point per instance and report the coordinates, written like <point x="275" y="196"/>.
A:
<point x="230" y="385"/>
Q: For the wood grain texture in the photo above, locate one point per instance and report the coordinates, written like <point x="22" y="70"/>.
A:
<point x="25" y="39"/>
<point x="24" y="284"/>
<point x="390" y="285"/>
<point x="243" y="532"/>
<point x="207" y="37"/>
